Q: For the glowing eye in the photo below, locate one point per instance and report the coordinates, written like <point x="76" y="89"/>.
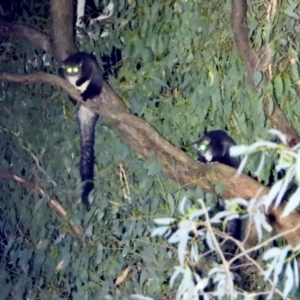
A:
<point x="69" y="70"/>
<point x="75" y="70"/>
<point x="202" y="148"/>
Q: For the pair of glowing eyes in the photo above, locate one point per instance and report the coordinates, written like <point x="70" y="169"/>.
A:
<point x="73" y="70"/>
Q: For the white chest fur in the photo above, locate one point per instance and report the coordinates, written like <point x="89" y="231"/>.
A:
<point x="83" y="114"/>
<point x="73" y="79"/>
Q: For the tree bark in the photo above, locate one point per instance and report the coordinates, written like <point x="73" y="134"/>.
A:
<point x="253" y="63"/>
<point x="177" y="165"/>
<point x="145" y="140"/>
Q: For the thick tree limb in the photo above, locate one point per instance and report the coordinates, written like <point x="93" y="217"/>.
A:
<point x="23" y="32"/>
<point x="62" y="13"/>
<point x="253" y="63"/>
<point x="240" y="32"/>
<point x="145" y="140"/>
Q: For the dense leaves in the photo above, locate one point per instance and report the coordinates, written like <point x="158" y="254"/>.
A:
<point x="180" y="72"/>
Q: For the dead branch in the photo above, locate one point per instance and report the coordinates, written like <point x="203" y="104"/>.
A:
<point x="61" y="212"/>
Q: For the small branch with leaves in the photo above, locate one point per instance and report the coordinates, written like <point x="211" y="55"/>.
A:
<point x="54" y="204"/>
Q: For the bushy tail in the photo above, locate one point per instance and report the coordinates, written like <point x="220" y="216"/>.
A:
<point x="233" y="228"/>
<point x="87" y="121"/>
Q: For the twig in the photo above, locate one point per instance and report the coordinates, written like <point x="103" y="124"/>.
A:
<point x="59" y="209"/>
<point x="224" y="261"/>
<point x="38" y="165"/>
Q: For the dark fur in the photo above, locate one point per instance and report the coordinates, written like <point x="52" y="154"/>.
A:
<point x="89" y="70"/>
<point x="87" y="158"/>
<point x="219" y="143"/>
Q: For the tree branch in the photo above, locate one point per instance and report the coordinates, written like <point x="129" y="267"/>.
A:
<point x="23" y="32"/>
<point x="253" y="63"/>
<point x="59" y="209"/>
<point x="242" y="42"/>
<point x="62" y="13"/>
<point x="279" y="121"/>
<point x="142" y="137"/>
<point x="177" y="165"/>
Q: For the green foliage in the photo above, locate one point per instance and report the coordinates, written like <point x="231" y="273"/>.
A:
<point x="180" y="72"/>
<point x="279" y="275"/>
<point x="183" y="76"/>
